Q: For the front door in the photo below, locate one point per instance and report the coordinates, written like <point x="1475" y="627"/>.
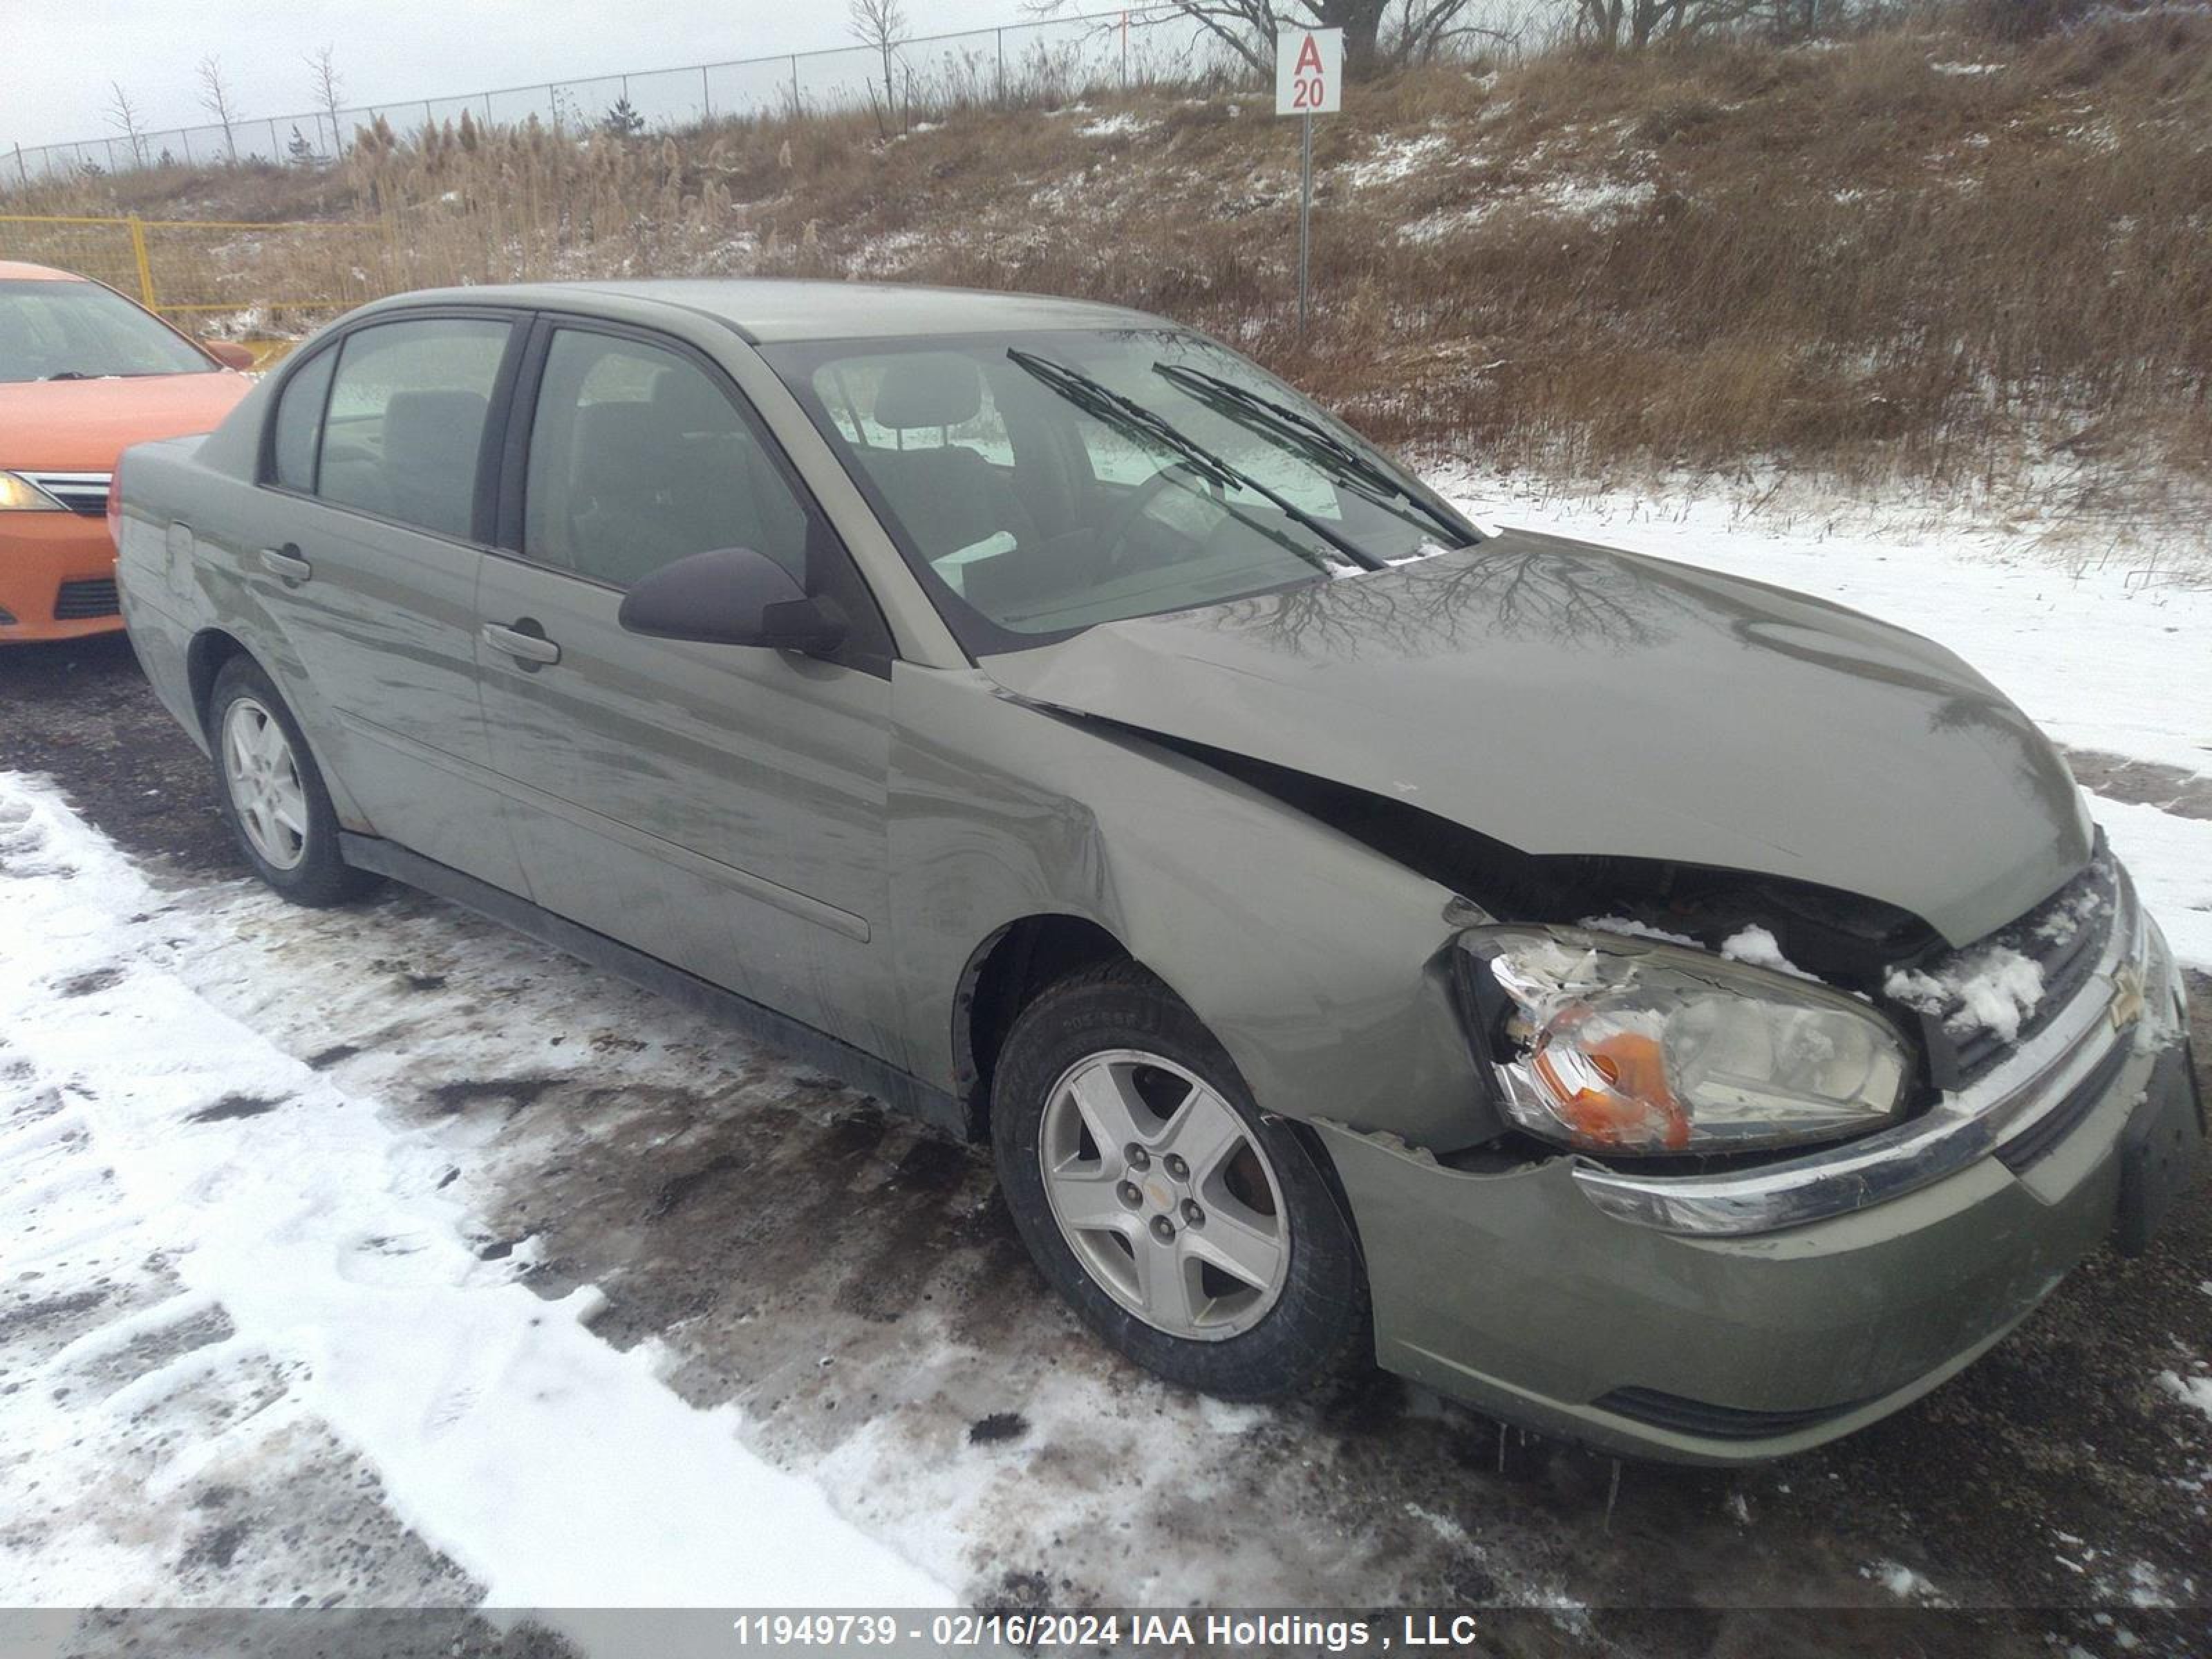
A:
<point x="719" y="807"/>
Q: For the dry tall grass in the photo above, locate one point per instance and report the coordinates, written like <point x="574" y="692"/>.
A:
<point x="1915" y="254"/>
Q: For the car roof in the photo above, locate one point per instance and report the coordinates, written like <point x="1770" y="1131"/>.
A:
<point x="769" y="311"/>
<point x="16" y="271"/>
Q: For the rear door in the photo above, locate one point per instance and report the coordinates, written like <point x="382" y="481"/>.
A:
<point x="719" y="807"/>
<point x="380" y="475"/>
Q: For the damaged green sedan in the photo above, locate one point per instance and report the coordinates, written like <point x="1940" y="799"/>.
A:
<point x="1653" y="1006"/>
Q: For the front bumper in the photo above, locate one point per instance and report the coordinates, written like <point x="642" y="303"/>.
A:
<point x="1723" y="1320"/>
<point x="56" y="577"/>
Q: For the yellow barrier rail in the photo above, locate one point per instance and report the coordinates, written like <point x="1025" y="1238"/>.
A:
<point x="272" y="284"/>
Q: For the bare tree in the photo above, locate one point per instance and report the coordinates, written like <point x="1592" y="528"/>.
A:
<point x="1374" y="39"/>
<point x="123" y="116"/>
<point x="1636" y="24"/>
<point x="880" y="25"/>
<point x="217" y="100"/>
<point x="322" y="78"/>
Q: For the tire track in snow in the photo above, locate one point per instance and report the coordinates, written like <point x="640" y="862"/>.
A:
<point x="554" y="1469"/>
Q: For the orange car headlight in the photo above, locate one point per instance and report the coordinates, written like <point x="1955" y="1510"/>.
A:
<point x="1616" y="1044"/>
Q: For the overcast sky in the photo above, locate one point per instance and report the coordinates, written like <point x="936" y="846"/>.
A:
<point x="56" y="61"/>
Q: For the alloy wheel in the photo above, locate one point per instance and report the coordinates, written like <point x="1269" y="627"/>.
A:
<point x="1164" y="1195"/>
<point x="263" y="776"/>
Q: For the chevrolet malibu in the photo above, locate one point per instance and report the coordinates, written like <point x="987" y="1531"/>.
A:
<point x="1656" y="1007"/>
<point x="83" y="373"/>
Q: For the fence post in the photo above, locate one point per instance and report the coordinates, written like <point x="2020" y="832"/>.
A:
<point x="1001" y="34"/>
<point x="186" y="134"/>
<point x="145" y="265"/>
<point x="706" y="93"/>
<point x="794" y="84"/>
<point x="21" y="171"/>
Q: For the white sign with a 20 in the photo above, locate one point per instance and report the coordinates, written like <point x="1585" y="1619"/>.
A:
<point x="1309" y="72"/>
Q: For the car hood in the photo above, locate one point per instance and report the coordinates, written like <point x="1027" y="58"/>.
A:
<point x="82" y="426"/>
<point x="1564" y="698"/>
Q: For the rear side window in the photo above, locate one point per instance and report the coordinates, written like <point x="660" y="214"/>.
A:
<point x="299" y="423"/>
<point x="405" y="423"/>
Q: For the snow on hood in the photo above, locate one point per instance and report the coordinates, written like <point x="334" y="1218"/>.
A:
<point x="1564" y="698"/>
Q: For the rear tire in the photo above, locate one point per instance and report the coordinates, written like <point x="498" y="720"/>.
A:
<point x="271" y="792"/>
<point x="1231" y="1270"/>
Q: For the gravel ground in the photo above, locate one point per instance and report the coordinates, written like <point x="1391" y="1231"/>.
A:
<point x="852" y="1285"/>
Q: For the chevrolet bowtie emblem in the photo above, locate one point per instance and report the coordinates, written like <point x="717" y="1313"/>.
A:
<point x="2127" y="1005"/>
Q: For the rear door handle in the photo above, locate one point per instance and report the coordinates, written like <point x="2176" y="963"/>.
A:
<point x="286" y="562"/>
<point x="523" y="642"/>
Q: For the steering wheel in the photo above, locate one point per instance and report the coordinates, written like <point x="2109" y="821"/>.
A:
<point x="1114" y="534"/>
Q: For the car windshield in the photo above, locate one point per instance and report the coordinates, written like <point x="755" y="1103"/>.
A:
<point x="65" y="331"/>
<point x="1043" y="483"/>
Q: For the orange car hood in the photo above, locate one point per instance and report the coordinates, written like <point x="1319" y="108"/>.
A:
<point x="82" y="426"/>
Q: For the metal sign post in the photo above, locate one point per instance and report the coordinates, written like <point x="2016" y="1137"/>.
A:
<point x="1305" y="216"/>
<point x="1309" y="82"/>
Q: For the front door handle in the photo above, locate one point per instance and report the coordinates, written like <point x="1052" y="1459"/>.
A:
<point x="524" y="642"/>
<point x="285" y="561"/>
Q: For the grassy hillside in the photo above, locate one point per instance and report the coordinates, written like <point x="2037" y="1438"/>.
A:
<point x="1930" y="256"/>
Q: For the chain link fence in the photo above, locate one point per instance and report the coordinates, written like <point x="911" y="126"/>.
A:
<point x="1050" y="60"/>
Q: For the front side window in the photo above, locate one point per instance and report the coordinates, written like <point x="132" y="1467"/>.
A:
<point x="638" y="459"/>
<point x="405" y="425"/>
<point x="68" y="331"/>
<point x="1040" y="483"/>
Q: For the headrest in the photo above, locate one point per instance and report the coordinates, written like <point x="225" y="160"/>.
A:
<point x="634" y="445"/>
<point x="932" y="388"/>
<point x="434" y="432"/>
<point x="688" y="402"/>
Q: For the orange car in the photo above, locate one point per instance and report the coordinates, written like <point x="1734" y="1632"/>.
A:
<point x="84" y="374"/>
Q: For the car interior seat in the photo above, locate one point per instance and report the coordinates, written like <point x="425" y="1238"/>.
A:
<point x="428" y="467"/>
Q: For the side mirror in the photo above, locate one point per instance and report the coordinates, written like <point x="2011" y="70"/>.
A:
<point x="228" y="353"/>
<point x="730" y="596"/>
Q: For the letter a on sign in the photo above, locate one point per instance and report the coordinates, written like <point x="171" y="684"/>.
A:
<point x="1309" y="72"/>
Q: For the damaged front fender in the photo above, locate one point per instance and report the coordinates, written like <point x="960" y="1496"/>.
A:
<point x="1316" y="962"/>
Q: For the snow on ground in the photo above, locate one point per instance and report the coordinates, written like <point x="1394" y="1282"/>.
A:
<point x="2171" y="859"/>
<point x="2190" y="1390"/>
<point x="1122" y="123"/>
<point x="1597" y="199"/>
<point x="1393" y="158"/>
<point x="327" y="1256"/>
<point x="2108" y="658"/>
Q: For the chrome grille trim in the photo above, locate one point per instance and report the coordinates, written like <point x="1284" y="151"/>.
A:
<point x="84" y="493"/>
<point x="2003" y="1103"/>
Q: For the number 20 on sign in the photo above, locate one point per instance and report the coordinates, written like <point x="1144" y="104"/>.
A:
<point x="1309" y="82"/>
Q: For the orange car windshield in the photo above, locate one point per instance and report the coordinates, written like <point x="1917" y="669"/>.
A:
<point x="52" y="330"/>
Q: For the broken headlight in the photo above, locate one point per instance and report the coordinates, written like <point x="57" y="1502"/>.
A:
<point x="1618" y="1044"/>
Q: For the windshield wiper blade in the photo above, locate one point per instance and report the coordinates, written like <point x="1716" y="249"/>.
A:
<point x="72" y="374"/>
<point x="1097" y="399"/>
<point x="1251" y="410"/>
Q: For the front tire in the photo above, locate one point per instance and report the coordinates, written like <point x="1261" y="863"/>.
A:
<point x="271" y="792"/>
<point x="1197" y="1236"/>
